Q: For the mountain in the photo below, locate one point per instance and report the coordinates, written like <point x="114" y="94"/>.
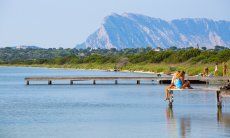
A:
<point x="133" y="31"/>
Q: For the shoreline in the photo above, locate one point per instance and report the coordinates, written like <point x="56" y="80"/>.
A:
<point x="69" y="68"/>
<point x="161" y="68"/>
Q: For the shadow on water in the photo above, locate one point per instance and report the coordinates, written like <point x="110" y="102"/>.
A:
<point x="177" y="127"/>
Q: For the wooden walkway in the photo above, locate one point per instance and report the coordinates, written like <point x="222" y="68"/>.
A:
<point x="161" y="80"/>
<point x="171" y="91"/>
<point x="94" y="79"/>
<point x="220" y="94"/>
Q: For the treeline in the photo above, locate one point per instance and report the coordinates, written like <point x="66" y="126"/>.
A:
<point x="103" y="56"/>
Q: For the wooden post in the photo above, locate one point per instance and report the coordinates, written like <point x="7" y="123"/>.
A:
<point x="207" y="82"/>
<point x="138" y="82"/>
<point x="27" y="82"/>
<point x="116" y="82"/>
<point x="49" y="82"/>
<point x="160" y="81"/>
<point x="71" y="82"/>
<point x="94" y="82"/>
<point x="219" y="101"/>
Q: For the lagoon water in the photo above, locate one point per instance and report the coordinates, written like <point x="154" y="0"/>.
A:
<point x="103" y="110"/>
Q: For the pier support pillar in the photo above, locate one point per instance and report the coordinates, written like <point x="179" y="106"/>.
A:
<point x="116" y="82"/>
<point x="27" y="82"/>
<point x="160" y="82"/>
<point x="71" y="82"/>
<point x="153" y="81"/>
<point x="49" y="82"/>
<point x="207" y="82"/>
<point x="138" y="82"/>
<point x="94" y="82"/>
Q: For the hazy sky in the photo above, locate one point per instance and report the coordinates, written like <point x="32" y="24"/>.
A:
<point x="65" y="23"/>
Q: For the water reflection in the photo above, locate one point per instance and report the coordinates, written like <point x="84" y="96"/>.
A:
<point x="171" y="122"/>
<point x="181" y="126"/>
<point x="224" y="120"/>
<point x="169" y="114"/>
<point x="185" y="126"/>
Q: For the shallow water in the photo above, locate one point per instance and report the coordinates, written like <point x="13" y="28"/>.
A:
<point x="103" y="111"/>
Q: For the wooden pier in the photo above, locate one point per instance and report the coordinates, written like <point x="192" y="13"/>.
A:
<point x="171" y="91"/>
<point x="161" y="80"/>
<point x="94" y="79"/>
<point x="222" y="92"/>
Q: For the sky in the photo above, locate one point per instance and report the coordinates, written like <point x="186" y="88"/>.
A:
<point x="66" y="23"/>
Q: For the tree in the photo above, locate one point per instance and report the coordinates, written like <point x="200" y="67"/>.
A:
<point x="121" y="63"/>
<point x="204" y="48"/>
<point x="217" y="48"/>
<point x="174" y="48"/>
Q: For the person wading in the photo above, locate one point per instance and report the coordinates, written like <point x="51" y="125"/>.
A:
<point x="216" y="70"/>
<point x="225" y="68"/>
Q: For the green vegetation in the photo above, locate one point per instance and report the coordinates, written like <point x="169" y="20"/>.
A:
<point x="191" y="60"/>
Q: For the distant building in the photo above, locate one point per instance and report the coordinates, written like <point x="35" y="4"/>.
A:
<point x="26" y="47"/>
<point x="21" y="47"/>
<point x="158" y="49"/>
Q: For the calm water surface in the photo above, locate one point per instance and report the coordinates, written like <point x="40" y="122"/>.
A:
<point x="103" y="111"/>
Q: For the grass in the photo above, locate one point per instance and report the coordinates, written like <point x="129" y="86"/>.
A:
<point x="190" y="69"/>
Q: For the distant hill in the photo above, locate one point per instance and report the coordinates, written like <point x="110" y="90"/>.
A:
<point x="133" y="31"/>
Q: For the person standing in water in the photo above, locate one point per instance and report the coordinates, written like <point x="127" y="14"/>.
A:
<point x="216" y="70"/>
<point x="225" y="68"/>
<point x="205" y="72"/>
